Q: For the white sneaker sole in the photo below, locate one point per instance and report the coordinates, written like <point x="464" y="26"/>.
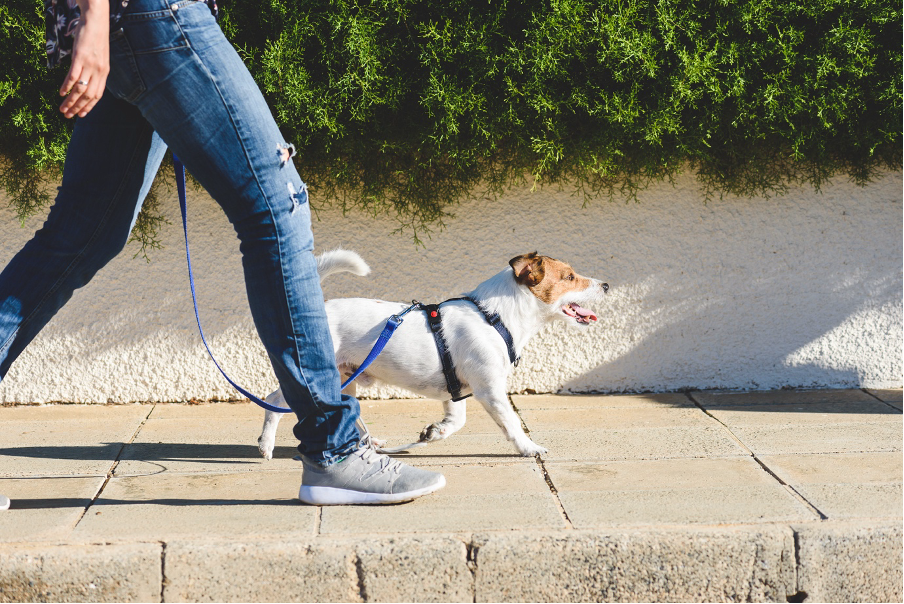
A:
<point x="4" y="502"/>
<point x="334" y="496"/>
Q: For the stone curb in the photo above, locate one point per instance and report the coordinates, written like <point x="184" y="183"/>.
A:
<point x="126" y="572"/>
<point x="810" y="562"/>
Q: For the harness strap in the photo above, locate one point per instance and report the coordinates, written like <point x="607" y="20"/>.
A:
<point x="435" y="321"/>
<point x="494" y="320"/>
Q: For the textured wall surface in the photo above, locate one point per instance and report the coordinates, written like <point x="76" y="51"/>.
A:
<point x="800" y="290"/>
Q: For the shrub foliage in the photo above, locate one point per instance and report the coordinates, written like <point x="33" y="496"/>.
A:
<point x="406" y="106"/>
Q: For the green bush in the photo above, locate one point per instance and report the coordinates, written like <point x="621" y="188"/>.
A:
<point x="407" y="106"/>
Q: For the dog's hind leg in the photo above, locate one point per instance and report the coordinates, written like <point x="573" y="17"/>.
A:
<point x="455" y="413"/>
<point x="497" y="405"/>
<point x="267" y="440"/>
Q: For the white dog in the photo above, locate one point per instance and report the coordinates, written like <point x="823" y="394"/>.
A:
<point x="534" y="291"/>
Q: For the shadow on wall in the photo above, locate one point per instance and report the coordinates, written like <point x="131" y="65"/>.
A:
<point x="758" y="334"/>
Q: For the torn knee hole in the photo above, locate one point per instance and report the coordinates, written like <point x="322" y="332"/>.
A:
<point x="298" y="197"/>
<point x="286" y="152"/>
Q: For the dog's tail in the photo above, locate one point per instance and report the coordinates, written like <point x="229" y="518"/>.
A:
<point x="341" y="261"/>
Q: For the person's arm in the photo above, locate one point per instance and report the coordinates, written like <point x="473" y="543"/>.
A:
<point x="87" y="77"/>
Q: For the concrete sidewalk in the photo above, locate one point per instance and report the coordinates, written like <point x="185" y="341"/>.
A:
<point x="764" y="496"/>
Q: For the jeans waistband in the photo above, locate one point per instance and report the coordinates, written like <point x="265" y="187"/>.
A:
<point x="149" y="7"/>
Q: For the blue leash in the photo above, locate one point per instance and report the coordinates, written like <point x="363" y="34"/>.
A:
<point x="391" y="325"/>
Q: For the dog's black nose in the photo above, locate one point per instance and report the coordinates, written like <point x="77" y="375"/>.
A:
<point x="605" y="287"/>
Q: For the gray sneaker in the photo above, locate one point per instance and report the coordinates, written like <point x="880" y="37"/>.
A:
<point x="365" y="477"/>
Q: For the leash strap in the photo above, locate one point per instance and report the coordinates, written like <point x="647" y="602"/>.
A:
<point x="391" y="325"/>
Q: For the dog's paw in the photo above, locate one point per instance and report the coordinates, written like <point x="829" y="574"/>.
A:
<point x="432" y="432"/>
<point x="531" y="449"/>
<point x="265" y="446"/>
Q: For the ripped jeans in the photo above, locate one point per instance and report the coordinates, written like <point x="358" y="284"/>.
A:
<point x="176" y="82"/>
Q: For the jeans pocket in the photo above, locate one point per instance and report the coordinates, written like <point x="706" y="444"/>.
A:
<point x="124" y="80"/>
<point x="156" y="31"/>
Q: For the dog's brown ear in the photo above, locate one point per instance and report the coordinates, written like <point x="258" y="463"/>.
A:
<point x="528" y="269"/>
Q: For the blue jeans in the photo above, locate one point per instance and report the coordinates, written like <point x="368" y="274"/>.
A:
<point x="175" y="81"/>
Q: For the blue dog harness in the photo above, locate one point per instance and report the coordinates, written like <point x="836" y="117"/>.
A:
<point x="434" y="320"/>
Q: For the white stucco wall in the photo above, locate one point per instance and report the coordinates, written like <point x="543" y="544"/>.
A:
<point x="800" y="290"/>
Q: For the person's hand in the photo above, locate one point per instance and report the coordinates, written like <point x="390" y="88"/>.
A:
<point x="87" y="77"/>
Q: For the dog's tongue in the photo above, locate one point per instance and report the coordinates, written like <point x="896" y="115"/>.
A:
<point x="583" y="312"/>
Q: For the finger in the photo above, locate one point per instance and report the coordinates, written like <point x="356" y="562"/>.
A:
<point x="75" y="96"/>
<point x="79" y="105"/>
<point x="72" y="78"/>
<point x="93" y="94"/>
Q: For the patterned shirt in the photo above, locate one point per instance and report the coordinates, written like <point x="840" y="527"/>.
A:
<point x="62" y="18"/>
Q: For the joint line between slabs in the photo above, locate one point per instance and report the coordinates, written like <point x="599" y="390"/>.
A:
<point x="114" y="465"/>
<point x="790" y="489"/>
<point x="886" y="403"/>
<point x="546" y="476"/>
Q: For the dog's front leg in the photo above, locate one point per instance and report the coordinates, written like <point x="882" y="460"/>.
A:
<point x="497" y="405"/>
<point x="455" y="413"/>
<point x="267" y="440"/>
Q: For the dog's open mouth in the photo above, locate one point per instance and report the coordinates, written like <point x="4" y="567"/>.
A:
<point x="581" y="315"/>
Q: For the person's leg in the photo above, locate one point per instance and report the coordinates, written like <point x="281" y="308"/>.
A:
<point x="110" y="165"/>
<point x="203" y="102"/>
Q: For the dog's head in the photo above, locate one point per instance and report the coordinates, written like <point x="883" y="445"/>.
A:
<point x="559" y="287"/>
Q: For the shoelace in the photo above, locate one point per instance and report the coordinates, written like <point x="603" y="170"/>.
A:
<point x="368" y="452"/>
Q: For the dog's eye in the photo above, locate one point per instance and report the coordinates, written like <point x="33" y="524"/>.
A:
<point x="570" y="277"/>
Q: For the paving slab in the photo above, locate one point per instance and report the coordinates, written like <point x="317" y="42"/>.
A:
<point x="850" y="562"/>
<point x="637" y="443"/>
<point x="778" y="397"/>
<point x="68" y="412"/>
<point x="244" y="410"/>
<point x="771" y="439"/>
<point x="749" y="564"/>
<point x="842" y="501"/>
<point x="201" y="444"/>
<point x="837" y="468"/>
<point x="61" y="440"/>
<point x="126" y="572"/>
<point x="611" y="418"/>
<point x="290" y="570"/>
<point x="641" y="432"/>
<point x="167" y="505"/>
<point x="845" y="485"/>
<point x="892" y="397"/>
<point x="596" y="401"/>
<point x="476" y="497"/>
<point x="45" y="509"/>
<point x="685" y="491"/>
<point x="805" y="414"/>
